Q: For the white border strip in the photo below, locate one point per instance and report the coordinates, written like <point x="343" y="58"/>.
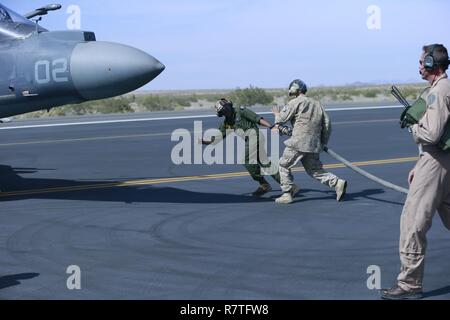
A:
<point x="173" y="118"/>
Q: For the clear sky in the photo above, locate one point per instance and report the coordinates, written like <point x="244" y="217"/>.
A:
<point x="214" y="44"/>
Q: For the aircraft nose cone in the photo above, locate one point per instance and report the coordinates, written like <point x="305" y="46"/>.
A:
<point x="102" y="69"/>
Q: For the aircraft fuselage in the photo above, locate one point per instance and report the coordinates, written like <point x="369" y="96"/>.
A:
<point x="50" y="69"/>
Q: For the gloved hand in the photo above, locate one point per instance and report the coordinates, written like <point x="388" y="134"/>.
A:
<point x="285" y="130"/>
<point x="282" y="129"/>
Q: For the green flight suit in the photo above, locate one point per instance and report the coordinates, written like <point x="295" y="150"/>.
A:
<point x="247" y="121"/>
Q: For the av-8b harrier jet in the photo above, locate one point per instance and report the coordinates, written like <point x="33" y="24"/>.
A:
<point x="41" y="69"/>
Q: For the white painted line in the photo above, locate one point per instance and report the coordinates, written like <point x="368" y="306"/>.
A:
<point x="364" y="108"/>
<point x="104" y="122"/>
<point x="7" y="97"/>
<point x="173" y="118"/>
<point x="153" y="135"/>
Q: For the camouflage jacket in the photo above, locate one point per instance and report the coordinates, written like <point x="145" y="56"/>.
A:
<point x="311" y="125"/>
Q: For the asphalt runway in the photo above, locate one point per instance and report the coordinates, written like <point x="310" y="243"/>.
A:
<point x="107" y="198"/>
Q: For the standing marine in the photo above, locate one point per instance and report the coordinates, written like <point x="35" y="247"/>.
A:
<point x="429" y="189"/>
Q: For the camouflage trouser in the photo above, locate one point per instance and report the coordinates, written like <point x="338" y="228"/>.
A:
<point x="429" y="191"/>
<point x="311" y="163"/>
<point x="255" y="152"/>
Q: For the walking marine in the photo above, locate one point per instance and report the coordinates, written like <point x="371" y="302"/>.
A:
<point x="311" y="132"/>
<point x="245" y="123"/>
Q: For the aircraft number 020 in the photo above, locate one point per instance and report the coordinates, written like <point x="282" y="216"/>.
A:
<point x="46" y="71"/>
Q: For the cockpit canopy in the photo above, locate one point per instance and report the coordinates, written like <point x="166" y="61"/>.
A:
<point x="15" y="26"/>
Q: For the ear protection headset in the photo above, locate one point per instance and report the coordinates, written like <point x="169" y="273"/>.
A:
<point x="428" y="62"/>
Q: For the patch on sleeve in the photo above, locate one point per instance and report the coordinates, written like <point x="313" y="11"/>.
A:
<point x="431" y="99"/>
<point x="285" y="108"/>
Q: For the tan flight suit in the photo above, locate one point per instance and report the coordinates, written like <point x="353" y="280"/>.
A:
<point x="430" y="189"/>
<point x="311" y="131"/>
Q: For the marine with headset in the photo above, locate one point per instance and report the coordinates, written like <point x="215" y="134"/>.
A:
<point x="244" y="122"/>
<point x="311" y="132"/>
<point x="429" y="189"/>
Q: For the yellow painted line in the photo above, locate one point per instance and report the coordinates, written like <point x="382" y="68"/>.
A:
<point x="83" y="139"/>
<point x="134" y="183"/>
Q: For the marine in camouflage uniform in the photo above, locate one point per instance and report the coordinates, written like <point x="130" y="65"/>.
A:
<point x="311" y="131"/>
<point x="244" y="122"/>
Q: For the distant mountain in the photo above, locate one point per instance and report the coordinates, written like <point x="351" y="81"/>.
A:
<point x="382" y="82"/>
<point x="361" y="84"/>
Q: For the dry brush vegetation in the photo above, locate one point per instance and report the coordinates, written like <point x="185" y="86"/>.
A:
<point x="197" y="99"/>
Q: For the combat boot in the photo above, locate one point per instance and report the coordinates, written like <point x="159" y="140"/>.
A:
<point x="285" y="198"/>
<point x="341" y="189"/>
<point x="263" y="189"/>
<point x="295" y="189"/>
<point x="397" y="293"/>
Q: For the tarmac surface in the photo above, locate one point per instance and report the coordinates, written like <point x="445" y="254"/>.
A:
<point x="106" y="197"/>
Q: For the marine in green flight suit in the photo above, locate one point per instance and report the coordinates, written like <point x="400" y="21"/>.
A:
<point x="244" y="122"/>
